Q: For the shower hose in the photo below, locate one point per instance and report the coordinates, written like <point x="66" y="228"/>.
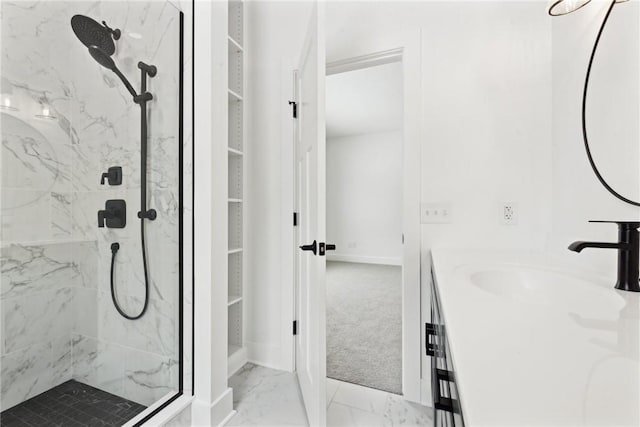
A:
<point x="584" y="119"/>
<point x="114" y="250"/>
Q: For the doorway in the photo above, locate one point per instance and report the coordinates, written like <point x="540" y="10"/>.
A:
<point x="311" y="245"/>
<point x="364" y="193"/>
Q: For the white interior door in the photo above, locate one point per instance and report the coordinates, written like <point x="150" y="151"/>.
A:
<point x="311" y="351"/>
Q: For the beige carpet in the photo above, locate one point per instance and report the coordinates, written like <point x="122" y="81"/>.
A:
<point x="364" y="324"/>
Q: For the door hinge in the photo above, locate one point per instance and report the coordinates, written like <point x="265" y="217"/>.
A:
<point x="295" y="109"/>
<point x="403" y="238"/>
<point x="295" y="327"/>
<point x="295" y="219"/>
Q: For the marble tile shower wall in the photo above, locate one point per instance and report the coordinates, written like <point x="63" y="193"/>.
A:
<point x="58" y="320"/>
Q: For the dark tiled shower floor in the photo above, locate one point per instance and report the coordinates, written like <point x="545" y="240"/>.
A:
<point x="71" y="404"/>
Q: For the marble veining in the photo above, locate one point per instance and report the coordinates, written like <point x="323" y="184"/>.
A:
<point x="267" y="397"/>
<point x="55" y="271"/>
<point x="36" y="318"/>
<point x="33" y="370"/>
<point x="27" y="269"/>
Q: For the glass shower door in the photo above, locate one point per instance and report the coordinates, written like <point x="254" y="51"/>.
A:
<point x="87" y="333"/>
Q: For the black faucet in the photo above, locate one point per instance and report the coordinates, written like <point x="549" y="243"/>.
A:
<point x="628" y="247"/>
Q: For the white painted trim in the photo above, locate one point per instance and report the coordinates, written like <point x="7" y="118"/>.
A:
<point x="411" y="312"/>
<point x="163" y="415"/>
<point x="213" y="398"/>
<point x="287" y="231"/>
<point x="425" y="384"/>
<point x="236" y="361"/>
<point x="213" y="414"/>
<point x="229" y="417"/>
<point x="167" y="414"/>
<point x="363" y="259"/>
<point x="364" y="61"/>
<point x="266" y="355"/>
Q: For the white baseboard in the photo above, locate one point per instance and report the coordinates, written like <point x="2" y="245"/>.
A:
<point x="266" y="355"/>
<point x="426" y="398"/>
<point x="236" y="361"/>
<point x="215" y="414"/>
<point x="364" y="259"/>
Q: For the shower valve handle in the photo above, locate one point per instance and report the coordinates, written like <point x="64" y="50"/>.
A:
<point x="113" y="176"/>
<point x="114" y="214"/>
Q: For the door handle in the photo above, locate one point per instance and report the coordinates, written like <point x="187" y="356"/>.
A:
<point x="323" y="247"/>
<point x="312" y="247"/>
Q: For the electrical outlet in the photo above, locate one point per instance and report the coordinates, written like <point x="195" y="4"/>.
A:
<point x="509" y="213"/>
<point x="436" y="213"/>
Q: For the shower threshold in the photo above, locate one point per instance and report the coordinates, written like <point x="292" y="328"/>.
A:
<point x="71" y="404"/>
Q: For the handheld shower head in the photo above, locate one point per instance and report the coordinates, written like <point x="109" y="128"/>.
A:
<point x="105" y="60"/>
<point x="102" y="58"/>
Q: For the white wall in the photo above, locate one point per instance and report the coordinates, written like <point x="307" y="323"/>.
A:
<point x="486" y="88"/>
<point x="276" y="31"/>
<point x="364" y="197"/>
<point x="612" y="123"/>
<point x="500" y="89"/>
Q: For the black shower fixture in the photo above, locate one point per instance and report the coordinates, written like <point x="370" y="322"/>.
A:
<point x="91" y="33"/>
<point x="99" y="39"/>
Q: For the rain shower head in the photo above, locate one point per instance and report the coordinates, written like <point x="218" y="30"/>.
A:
<point x="91" y="33"/>
<point x="99" y="40"/>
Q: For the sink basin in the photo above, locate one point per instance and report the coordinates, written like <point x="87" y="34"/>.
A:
<point x="547" y="287"/>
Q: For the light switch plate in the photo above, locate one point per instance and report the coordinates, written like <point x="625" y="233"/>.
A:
<point x="436" y="213"/>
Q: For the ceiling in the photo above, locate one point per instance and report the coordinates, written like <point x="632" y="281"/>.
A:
<point x="364" y="101"/>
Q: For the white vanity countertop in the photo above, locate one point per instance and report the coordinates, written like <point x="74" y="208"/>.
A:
<point x="558" y="348"/>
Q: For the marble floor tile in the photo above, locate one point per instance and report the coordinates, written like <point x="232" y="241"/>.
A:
<point x="339" y="415"/>
<point x="393" y="408"/>
<point x="266" y="397"/>
<point x="332" y="387"/>
<point x="356" y="396"/>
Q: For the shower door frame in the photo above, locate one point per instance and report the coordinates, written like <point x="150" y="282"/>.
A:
<point x="162" y="404"/>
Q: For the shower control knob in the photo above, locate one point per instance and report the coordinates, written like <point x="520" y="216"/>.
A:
<point x="113" y="176"/>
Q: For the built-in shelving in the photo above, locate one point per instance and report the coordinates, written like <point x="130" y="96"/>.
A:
<point x="234" y="299"/>
<point x="234" y="96"/>
<point x="233" y="349"/>
<point x="234" y="45"/>
<point x="236" y="21"/>
<point x="236" y="203"/>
